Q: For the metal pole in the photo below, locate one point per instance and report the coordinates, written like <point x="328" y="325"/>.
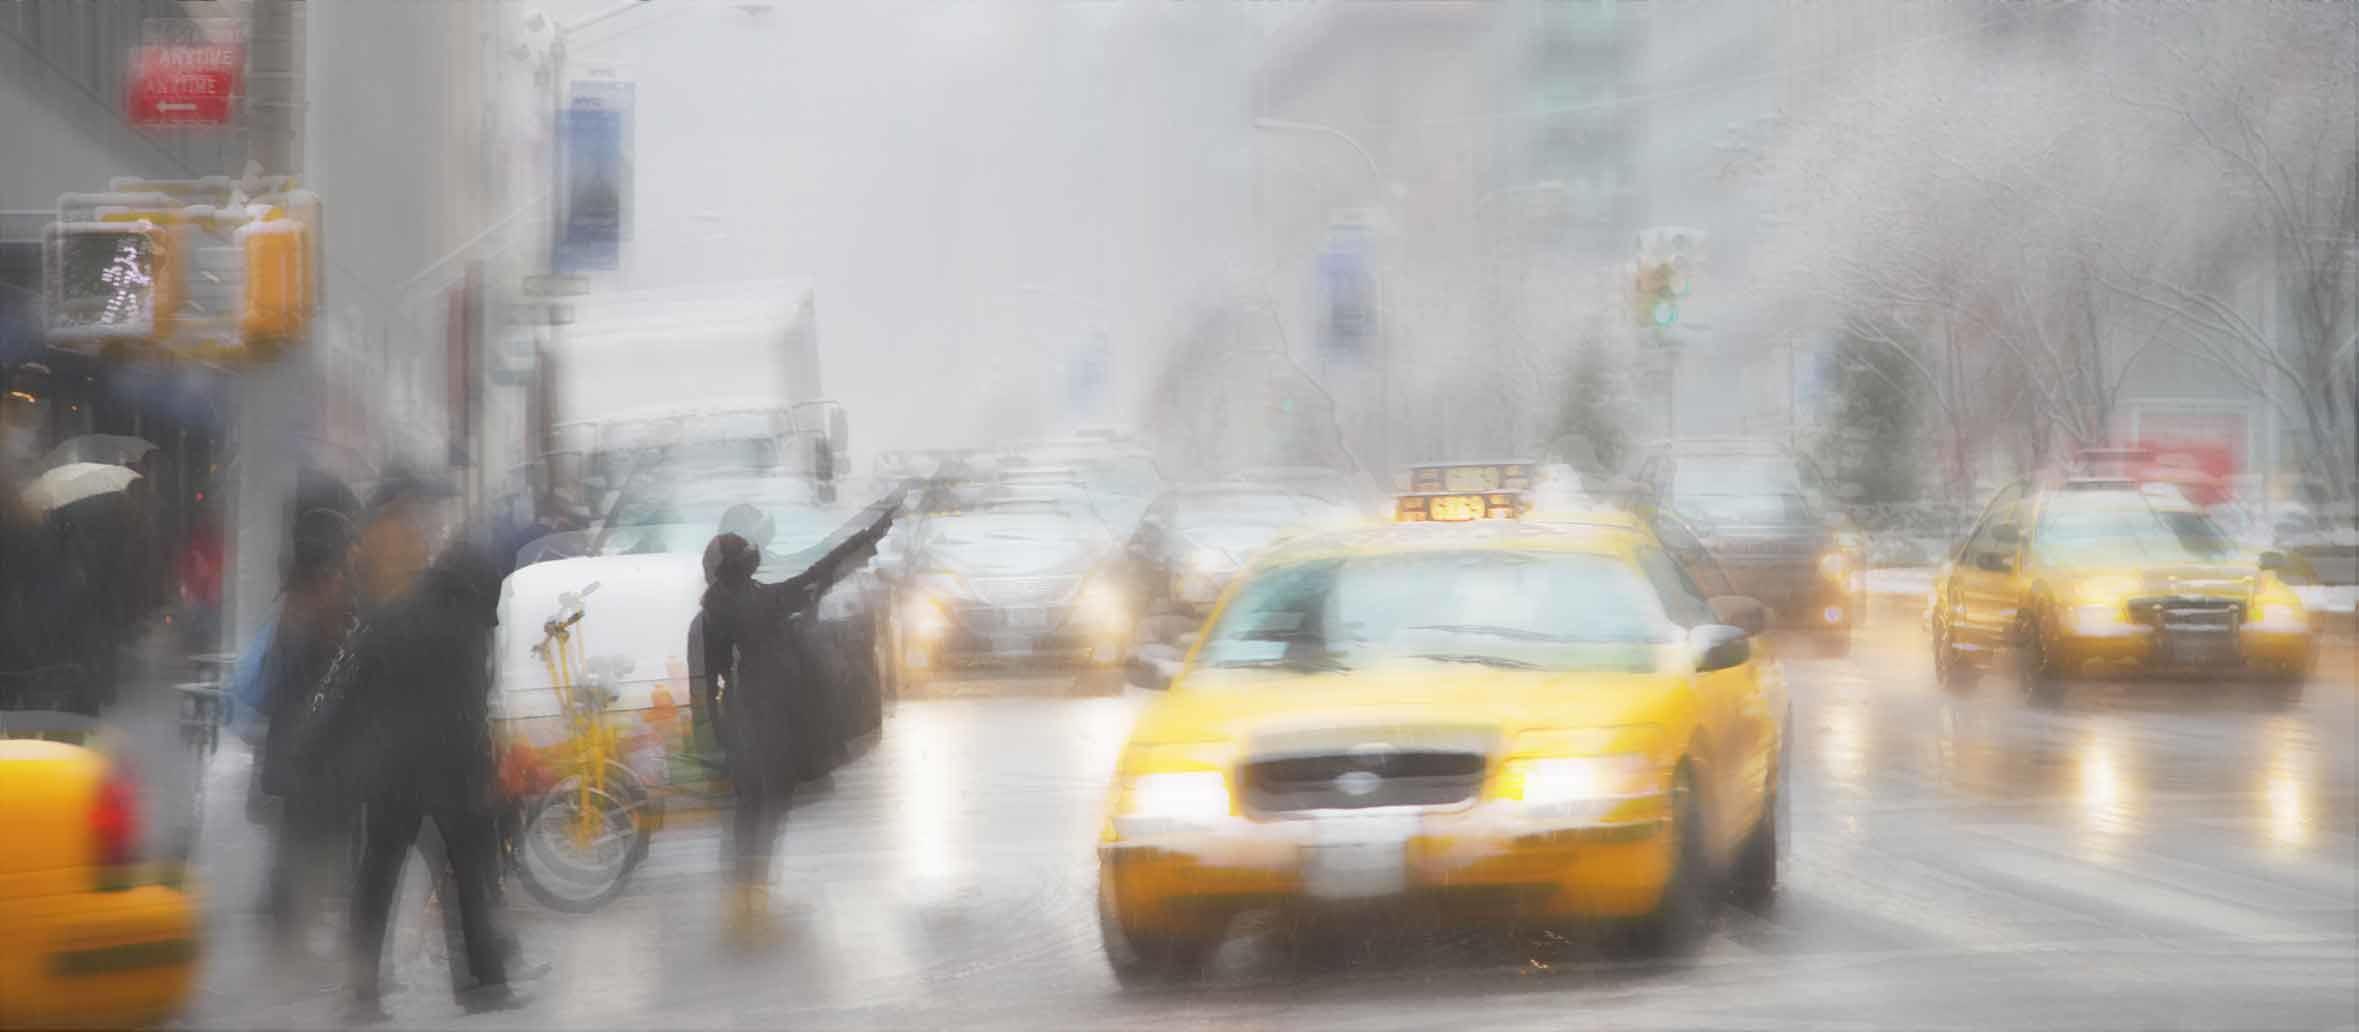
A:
<point x="263" y="428"/>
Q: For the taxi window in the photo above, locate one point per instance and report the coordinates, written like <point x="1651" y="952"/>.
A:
<point x="2124" y="529"/>
<point x="1682" y="602"/>
<point x="1515" y="610"/>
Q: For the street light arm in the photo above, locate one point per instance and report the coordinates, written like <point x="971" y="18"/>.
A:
<point x="616" y="11"/>
<point x="1280" y="125"/>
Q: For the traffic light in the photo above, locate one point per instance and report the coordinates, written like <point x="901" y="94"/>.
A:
<point x="275" y="305"/>
<point x="110" y="280"/>
<point x="1667" y="256"/>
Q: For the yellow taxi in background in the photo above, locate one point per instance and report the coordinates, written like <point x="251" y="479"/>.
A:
<point x="1491" y="720"/>
<point x="89" y="938"/>
<point x="2111" y="577"/>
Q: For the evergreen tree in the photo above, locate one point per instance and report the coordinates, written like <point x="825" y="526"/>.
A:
<point x="1872" y="444"/>
<point x="1592" y="429"/>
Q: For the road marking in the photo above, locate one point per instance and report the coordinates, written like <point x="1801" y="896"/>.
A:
<point x="2125" y="892"/>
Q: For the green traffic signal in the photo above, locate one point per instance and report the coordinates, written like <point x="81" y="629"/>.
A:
<point x="1665" y="313"/>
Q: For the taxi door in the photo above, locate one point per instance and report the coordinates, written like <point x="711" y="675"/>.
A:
<point x="1982" y="590"/>
<point x="1738" y="732"/>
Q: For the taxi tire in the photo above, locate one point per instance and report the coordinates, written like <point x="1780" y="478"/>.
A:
<point x="1951" y="669"/>
<point x="1683" y="917"/>
<point x="2041" y="685"/>
<point x="1752" y="881"/>
<point x="1146" y="961"/>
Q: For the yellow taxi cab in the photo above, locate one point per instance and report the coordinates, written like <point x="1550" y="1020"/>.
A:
<point x="1484" y="718"/>
<point x="2096" y="577"/>
<point x="90" y="938"/>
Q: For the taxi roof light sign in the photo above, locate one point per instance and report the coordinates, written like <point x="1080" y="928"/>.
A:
<point x="1465" y="491"/>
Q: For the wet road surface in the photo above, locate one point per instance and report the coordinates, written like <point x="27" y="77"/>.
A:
<point x="2134" y="857"/>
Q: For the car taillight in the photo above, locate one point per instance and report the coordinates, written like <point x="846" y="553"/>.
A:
<point x="114" y="819"/>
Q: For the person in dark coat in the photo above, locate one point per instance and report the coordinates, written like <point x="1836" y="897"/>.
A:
<point x="316" y="614"/>
<point x="406" y="717"/>
<point x="750" y="647"/>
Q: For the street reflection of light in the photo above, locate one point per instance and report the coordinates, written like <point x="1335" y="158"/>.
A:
<point x="2287" y="783"/>
<point x="927" y="773"/>
<point x="1843" y="749"/>
<point x="2104" y="793"/>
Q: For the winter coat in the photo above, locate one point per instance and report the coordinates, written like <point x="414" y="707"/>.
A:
<point x="303" y="646"/>
<point x="405" y="712"/>
<point x="779" y="701"/>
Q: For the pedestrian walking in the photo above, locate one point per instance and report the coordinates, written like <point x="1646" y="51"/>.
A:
<point x="311" y="836"/>
<point x="406" y="715"/>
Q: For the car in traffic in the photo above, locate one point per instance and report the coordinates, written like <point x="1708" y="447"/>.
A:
<point x="1748" y="505"/>
<point x="1193" y="538"/>
<point x="1489" y="721"/>
<point x="1008" y="582"/>
<point x="94" y="936"/>
<point x="2102" y="577"/>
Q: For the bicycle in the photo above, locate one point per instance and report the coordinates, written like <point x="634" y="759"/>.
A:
<point x="582" y="837"/>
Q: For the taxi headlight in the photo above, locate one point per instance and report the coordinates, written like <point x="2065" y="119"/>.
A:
<point x="1834" y="565"/>
<point x="1182" y="796"/>
<point x="2279" y="616"/>
<point x="1560" y="780"/>
<point x="2101" y="620"/>
<point x="2108" y="591"/>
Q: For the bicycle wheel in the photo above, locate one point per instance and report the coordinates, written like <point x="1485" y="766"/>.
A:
<point x="566" y="870"/>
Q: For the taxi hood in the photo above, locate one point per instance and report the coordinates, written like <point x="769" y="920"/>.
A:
<point x="1450" y="701"/>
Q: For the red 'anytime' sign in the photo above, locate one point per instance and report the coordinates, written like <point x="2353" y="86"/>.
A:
<point x="185" y="83"/>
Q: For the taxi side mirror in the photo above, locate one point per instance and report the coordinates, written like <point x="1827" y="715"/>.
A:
<point x="2273" y="561"/>
<point x="1720" y="646"/>
<point x="1993" y="562"/>
<point x="1153" y="666"/>
<point x="1744" y="614"/>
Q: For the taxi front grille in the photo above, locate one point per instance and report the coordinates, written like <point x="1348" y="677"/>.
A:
<point x="2194" y="614"/>
<point x="1362" y="780"/>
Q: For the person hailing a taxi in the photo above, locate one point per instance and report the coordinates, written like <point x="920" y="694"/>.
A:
<point x="762" y="680"/>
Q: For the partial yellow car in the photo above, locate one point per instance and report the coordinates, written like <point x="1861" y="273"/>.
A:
<point x="90" y="939"/>
<point x="1504" y="721"/>
<point x="2112" y="578"/>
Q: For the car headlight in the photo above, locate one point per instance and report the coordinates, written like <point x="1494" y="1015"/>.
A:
<point x="1561" y="780"/>
<point x="2279" y="616"/>
<point x="1834" y="565"/>
<point x="2101" y="620"/>
<point x="1171" y="801"/>
<point x="2109" y="591"/>
<point x="1101" y="605"/>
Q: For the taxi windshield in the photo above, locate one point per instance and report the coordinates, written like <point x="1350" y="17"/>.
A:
<point x="1511" y="610"/>
<point x="2125" y="530"/>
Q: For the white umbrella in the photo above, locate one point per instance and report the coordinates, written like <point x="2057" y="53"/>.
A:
<point x="112" y="449"/>
<point x="73" y="482"/>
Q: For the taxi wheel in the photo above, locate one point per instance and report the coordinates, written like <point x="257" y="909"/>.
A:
<point x="2041" y="684"/>
<point x="1144" y="960"/>
<point x="1752" y="884"/>
<point x="1950" y="668"/>
<point x="1683" y="916"/>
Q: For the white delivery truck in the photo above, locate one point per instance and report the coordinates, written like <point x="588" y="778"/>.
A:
<point x="730" y="370"/>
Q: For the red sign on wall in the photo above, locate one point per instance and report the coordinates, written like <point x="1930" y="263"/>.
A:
<point x="185" y="83"/>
